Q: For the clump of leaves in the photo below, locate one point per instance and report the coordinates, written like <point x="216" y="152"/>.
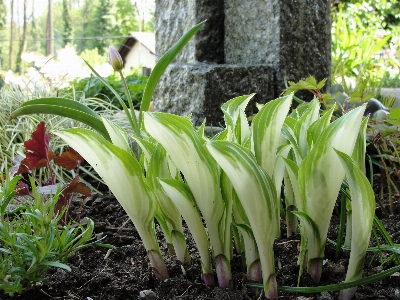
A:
<point x="39" y="156"/>
<point x="311" y="85"/>
<point x="32" y="238"/>
<point x="335" y="94"/>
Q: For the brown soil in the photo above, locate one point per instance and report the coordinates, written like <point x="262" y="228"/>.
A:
<point x="124" y="272"/>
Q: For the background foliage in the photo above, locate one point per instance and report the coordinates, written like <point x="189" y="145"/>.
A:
<point x="366" y="42"/>
<point x="80" y="21"/>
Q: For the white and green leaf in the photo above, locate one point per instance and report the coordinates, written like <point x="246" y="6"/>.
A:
<point x="123" y="175"/>
<point x="180" y="194"/>
<point x="320" y="177"/>
<point x="202" y="174"/>
<point x="267" y="127"/>
<point x="363" y="211"/>
<point x="257" y="194"/>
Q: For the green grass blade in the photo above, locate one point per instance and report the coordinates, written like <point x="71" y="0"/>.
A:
<point x="334" y="287"/>
<point x="160" y="67"/>
<point x="65" y="108"/>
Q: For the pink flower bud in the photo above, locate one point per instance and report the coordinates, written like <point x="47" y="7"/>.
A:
<point x="115" y="59"/>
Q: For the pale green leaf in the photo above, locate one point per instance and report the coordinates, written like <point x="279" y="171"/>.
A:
<point x="182" y="197"/>
<point x="267" y="127"/>
<point x="363" y="211"/>
<point x="257" y="194"/>
<point x="123" y="175"/>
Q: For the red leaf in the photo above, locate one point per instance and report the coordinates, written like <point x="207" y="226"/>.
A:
<point x="22" y="189"/>
<point x="24" y="167"/>
<point x="77" y="187"/>
<point x="37" y="148"/>
<point x="69" y="159"/>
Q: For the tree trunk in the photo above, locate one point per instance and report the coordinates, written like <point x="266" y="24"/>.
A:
<point x="67" y="34"/>
<point x="33" y="32"/>
<point x="12" y="28"/>
<point x="22" y="46"/>
<point x="50" y="31"/>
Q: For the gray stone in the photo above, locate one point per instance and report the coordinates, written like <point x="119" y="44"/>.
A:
<point x="201" y="89"/>
<point x="244" y="47"/>
<point x="252" y="32"/>
<point x="325" y="296"/>
<point x="173" y="18"/>
<point x="147" y="294"/>
<point x="291" y="36"/>
<point x="305" y="40"/>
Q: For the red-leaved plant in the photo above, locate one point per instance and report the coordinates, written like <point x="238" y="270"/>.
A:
<point x="39" y="156"/>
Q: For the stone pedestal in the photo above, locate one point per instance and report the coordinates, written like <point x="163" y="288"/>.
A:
<point x="244" y="47"/>
<point x="200" y="89"/>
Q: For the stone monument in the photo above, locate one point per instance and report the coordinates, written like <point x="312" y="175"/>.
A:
<point x="244" y="47"/>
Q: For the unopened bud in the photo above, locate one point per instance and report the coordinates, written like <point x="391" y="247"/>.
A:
<point x="115" y="59"/>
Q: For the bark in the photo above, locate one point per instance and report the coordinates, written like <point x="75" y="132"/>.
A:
<point x="12" y="29"/>
<point x="22" y="46"/>
<point x="50" y="31"/>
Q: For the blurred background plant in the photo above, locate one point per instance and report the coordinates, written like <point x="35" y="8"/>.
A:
<point x="365" y="36"/>
<point x="91" y="87"/>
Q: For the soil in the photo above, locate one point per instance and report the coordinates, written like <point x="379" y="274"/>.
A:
<point x="124" y="273"/>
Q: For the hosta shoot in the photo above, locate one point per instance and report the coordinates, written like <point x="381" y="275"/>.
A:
<point x="189" y="154"/>
<point x="256" y="192"/>
<point x="362" y="216"/>
<point x="318" y="180"/>
<point x="123" y="175"/>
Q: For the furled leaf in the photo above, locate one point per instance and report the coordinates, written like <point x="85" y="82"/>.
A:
<point x="187" y="151"/>
<point x="182" y="197"/>
<point x="320" y="177"/>
<point x="235" y="118"/>
<point x="267" y="127"/>
<point x="124" y="176"/>
<point x="257" y="194"/>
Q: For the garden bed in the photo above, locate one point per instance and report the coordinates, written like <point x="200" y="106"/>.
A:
<point x="124" y="272"/>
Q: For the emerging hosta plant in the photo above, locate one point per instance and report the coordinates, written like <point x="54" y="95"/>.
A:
<point x="363" y="210"/>
<point x="258" y="200"/>
<point x="232" y="181"/>
<point x="108" y="151"/>
<point x="317" y="179"/>
<point x="188" y="152"/>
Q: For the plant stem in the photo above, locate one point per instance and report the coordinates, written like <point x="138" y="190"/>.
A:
<point x="132" y="118"/>
<point x="341" y="226"/>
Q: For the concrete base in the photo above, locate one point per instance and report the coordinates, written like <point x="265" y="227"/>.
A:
<point x="200" y="89"/>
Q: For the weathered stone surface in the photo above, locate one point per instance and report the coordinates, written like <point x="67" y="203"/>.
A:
<point x="240" y="40"/>
<point x="305" y="40"/>
<point x="252" y="32"/>
<point x="201" y="89"/>
<point x="291" y="36"/>
<point x="173" y="18"/>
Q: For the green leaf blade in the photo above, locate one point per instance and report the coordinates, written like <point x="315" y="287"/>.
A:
<point x="161" y="65"/>
<point x="65" y="108"/>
